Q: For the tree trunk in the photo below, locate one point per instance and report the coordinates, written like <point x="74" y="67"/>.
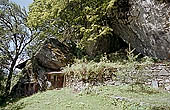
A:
<point x="8" y="83"/>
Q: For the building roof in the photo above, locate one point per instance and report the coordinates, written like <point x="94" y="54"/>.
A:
<point x="55" y="72"/>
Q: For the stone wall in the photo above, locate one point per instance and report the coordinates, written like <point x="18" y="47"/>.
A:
<point x="161" y="76"/>
<point x="158" y="77"/>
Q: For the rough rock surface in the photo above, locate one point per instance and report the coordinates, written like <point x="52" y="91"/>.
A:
<point x="51" y="57"/>
<point x="145" y="24"/>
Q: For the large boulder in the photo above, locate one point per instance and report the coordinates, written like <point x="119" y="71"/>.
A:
<point x="145" y="24"/>
<point x="52" y="56"/>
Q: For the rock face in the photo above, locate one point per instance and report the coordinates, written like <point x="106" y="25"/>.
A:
<point x="52" y="56"/>
<point x="145" y="24"/>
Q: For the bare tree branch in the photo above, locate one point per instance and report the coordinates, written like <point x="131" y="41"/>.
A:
<point x="16" y="38"/>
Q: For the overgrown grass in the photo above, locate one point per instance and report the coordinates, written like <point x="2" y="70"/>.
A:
<point x="128" y="71"/>
<point x="91" y="71"/>
<point x="99" y="98"/>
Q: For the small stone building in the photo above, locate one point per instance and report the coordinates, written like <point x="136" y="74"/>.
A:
<point x="55" y="80"/>
<point x="43" y="70"/>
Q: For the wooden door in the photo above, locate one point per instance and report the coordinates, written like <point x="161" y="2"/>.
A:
<point x="60" y="81"/>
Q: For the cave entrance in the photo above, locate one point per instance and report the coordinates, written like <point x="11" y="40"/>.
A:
<point x="106" y="44"/>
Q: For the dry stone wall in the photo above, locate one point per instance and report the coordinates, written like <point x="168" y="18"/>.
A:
<point x="158" y="75"/>
<point x="161" y="76"/>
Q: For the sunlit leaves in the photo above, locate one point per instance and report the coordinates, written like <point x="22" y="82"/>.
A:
<point x="83" y="20"/>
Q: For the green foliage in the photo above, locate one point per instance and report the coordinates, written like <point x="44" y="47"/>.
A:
<point x="16" y="77"/>
<point x="80" y="20"/>
<point x="2" y="86"/>
<point x="14" y="33"/>
<point x="129" y="71"/>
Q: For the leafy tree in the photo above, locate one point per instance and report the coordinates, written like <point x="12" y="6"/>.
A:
<point x="80" y="20"/>
<point x="15" y="36"/>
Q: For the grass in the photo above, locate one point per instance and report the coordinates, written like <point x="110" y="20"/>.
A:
<point x="99" y="98"/>
<point x="148" y="96"/>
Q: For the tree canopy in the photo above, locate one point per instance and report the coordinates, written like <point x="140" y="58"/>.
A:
<point x="80" y="20"/>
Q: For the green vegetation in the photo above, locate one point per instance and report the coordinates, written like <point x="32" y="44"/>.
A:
<point x="91" y="71"/>
<point x="100" y="98"/>
<point x="82" y="21"/>
<point x="127" y="71"/>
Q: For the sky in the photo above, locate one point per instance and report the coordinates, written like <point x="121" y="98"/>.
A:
<point x="23" y="3"/>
